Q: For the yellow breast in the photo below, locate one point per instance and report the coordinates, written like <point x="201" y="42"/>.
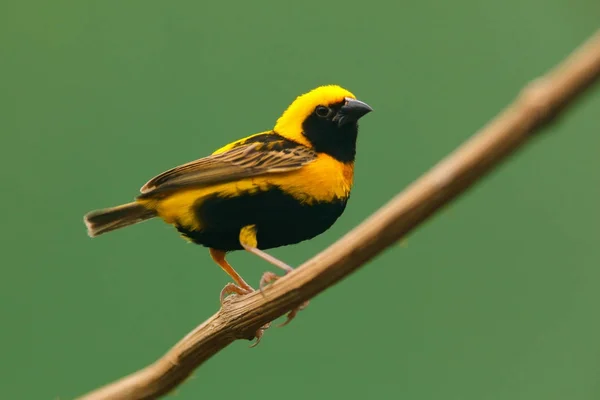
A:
<point x="320" y="181"/>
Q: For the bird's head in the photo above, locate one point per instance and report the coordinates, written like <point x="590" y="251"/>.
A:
<point x="325" y="119"/>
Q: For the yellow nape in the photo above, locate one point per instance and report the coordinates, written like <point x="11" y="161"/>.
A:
<point x="289" y="125"/>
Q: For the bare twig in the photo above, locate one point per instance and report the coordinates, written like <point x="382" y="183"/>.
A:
<point x="537" y="104"/>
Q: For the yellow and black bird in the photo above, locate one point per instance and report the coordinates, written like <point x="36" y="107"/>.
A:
<point x="271" y="189"/>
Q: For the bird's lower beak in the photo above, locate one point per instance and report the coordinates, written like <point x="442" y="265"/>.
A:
<point x="352" y="111"/>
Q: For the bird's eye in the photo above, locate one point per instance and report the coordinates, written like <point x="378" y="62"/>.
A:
<point x="322" y="111"/>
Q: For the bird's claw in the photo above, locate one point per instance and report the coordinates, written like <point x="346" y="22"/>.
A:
<point x="268" y="278"/>
<point x="259" y="334"/>
<point x="230" y="289"/>
<point x="292" y="314"/>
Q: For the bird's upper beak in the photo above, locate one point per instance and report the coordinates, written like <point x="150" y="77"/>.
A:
<point x="352" y="111"/>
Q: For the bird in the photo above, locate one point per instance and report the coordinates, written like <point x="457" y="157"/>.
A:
<point x="274" y="188"/>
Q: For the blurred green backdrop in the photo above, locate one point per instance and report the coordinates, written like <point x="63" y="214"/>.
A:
<point x="495" y="298"/>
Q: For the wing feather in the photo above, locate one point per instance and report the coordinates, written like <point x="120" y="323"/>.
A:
<point x="243" y="161"/>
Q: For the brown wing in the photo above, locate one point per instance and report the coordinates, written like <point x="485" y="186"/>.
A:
<point x="244" y="161"/>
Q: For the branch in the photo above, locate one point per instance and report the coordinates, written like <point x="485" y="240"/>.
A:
<point x="240" y="317"/>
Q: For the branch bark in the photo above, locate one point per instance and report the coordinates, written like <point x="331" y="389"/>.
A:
<point x="539" y="102"/>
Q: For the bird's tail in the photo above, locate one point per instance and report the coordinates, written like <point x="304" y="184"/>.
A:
<point x="109" y="219"/>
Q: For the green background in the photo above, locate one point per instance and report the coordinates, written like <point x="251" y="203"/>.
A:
<point x="494" y="298"/>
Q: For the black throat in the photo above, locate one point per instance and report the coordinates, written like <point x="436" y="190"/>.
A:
<point x="327" y="137"/>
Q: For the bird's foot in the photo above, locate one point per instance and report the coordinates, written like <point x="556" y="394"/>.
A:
<point x="230" y="289"/>
<point x="268" y="278"/>
<point x="259" y="334"/>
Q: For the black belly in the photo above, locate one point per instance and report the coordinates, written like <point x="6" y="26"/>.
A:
<point x="279" y="218"/>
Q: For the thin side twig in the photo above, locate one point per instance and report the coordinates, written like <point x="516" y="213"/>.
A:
<point x="538" y="104"/>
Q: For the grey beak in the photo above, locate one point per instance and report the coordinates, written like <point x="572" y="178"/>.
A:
<point x="352" y="111"/>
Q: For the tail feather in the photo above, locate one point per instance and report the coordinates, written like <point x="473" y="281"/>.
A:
<point x="109" y="219"/>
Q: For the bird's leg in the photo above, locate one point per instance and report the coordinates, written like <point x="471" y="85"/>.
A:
<point x="240" y="287"/>
<point x="250" y="244"/>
